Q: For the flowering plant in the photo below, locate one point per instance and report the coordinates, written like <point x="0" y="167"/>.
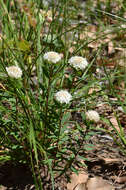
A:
<point x="46" y="112"/>
<point x="40" y="97"/>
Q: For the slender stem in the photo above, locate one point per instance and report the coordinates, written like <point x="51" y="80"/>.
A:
<point x="47" y="100"/>
<point x="60" y="125"/>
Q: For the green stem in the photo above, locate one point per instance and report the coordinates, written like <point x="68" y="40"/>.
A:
<point x="47" y="101"/>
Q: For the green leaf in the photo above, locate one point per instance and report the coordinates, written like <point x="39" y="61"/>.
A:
<point x="91" y="133"/>
<point x="82" y="164"/>
<point x="83" y="116"/>
<point x="79" y="127"/>
<point x="83" y="158"/>
<point x="32" y="141"/>
<point x="90" y="145"/>
<point x="5" y="158"/>
<point x="88" y="148"/>
<point x="64" y="139"/>
<point x="5" y="44"/>
<point x="87" y="137"/>
<point x="66" y="118"/>
<point x="74" y="170"/>
<point x="23" y="45"/>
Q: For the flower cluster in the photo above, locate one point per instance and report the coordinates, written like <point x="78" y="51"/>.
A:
<point x="52" y="56"/>
<point x="63" y="96"/>
<point x="78" y="62"/>
<point x="92" y="115"/>
<point x="14" y="71"/>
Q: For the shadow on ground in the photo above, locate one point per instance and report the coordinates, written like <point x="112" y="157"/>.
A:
<point x="15" y="177"/>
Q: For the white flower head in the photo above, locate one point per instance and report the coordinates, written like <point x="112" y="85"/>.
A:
<point x="63" y="96"/>
<point x="14" y="71"/>
<point x="78" y="62"/>
<point x="52" y="56"/>
<point x="93" y="116"/>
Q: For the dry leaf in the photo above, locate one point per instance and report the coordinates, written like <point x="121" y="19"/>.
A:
<point x="77" y="179"/>
<point x="80" y="186"/>
<point x="120" y="179"/>
<point x="94" y="44"/>
<point x="82" y="36"/>
<point x="97" y="183"/>
<point x="114" y="122"/>
<point x="111" y="160"/>
<point x="71" y="49"/>
<point x="110" y="47"/>
<point x="2" y="86"/>
<point x="121" y="56"/>
<point x="93" y="89"/>
<point x="32" y="21"/>
<point x="89" y="33"/>
<point x="3" y="187"/>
